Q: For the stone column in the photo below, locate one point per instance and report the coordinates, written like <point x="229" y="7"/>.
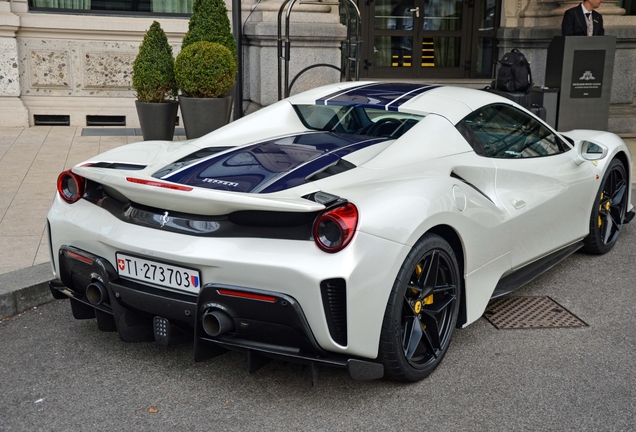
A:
<point x="12" y="111"/>
<point x="315" y="33"/>
<point x="538" y="9"/>
<point x="549" y="13"/>
<point x="608" y="8"/>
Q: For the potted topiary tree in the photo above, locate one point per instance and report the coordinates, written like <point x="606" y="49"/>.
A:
<point x="153" y="80"/>
<point x="203" y="72"/>
<point x="209" y="22"/>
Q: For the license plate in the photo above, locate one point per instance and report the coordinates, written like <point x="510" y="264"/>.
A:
<point x="157" y="273"/>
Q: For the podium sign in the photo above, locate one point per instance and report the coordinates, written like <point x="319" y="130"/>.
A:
<point x="582" y="68"/>
<point x="587" y="74"/>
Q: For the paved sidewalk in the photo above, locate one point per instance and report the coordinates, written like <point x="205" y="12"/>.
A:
<point x="30" y="161"/>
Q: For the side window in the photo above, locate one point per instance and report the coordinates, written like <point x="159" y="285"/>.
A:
<point x="502" y="131"/>
<point x="358" y="120"/>
<point x="321" y="117"/>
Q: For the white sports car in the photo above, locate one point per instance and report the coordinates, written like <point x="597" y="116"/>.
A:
<point x="355" y="225"/>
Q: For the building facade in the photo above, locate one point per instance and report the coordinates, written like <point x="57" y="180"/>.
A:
<point x="70" y="61"/>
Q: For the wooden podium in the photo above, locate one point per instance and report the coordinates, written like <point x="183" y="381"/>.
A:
<point x="581" y="67"/>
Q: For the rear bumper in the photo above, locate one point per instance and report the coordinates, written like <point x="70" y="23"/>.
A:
<point x="264" y="324"/>
<point x="291" y="267"/>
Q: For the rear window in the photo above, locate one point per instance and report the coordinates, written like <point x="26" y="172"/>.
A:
<point x="356" y="120"/>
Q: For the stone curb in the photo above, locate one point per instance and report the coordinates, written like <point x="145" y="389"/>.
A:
<point x="24" y="289"/>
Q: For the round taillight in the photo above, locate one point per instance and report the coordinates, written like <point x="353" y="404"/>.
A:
<point x="70" y="186"/>
<point x="333" y="229"/>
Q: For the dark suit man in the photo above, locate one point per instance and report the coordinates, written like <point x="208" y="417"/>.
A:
<point x="576" y="20"/>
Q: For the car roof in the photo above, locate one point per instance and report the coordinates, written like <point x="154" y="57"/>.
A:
<point x="453" y="103"/>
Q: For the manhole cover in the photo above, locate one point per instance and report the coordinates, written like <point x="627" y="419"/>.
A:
<point x="529" y="312"/>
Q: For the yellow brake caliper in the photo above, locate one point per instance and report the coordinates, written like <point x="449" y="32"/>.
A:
<point x="428" y="300"/>
<point x="600" y="208"/>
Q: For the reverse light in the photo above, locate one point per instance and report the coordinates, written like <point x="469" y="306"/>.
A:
<point x="333" y="229"/>
<point x="70" y="186"/>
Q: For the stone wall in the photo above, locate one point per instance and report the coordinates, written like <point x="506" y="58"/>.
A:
<point x="76" y="68"/>
<point x="9" y="67"/>
<point x="79" y="65"/>
<point x="12" y="110"/>
<point x="309" y="45"/>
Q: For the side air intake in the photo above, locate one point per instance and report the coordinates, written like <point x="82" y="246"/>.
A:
<point x="334" y="301"/>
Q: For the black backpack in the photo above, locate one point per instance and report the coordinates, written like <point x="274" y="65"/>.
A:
<point x="514" y="73"/>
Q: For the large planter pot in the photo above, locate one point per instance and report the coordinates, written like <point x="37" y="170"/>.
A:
<point x="157" y="120"/>
<point x="203" y="115"/>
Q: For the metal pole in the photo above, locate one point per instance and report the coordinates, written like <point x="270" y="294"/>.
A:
<point x="283" y="43"/>
<point x="237" y="26"/>
<point x="288" y="45"/>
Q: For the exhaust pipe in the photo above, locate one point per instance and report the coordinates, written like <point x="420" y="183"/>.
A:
<point x="217" y="322"/>
<point x="96" y="293"/>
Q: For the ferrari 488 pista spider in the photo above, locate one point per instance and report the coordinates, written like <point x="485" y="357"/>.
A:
<point x="354" y="225"/>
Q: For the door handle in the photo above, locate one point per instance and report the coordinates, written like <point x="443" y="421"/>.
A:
<point x="518" y="204"/>
<point x="416" y="10"/>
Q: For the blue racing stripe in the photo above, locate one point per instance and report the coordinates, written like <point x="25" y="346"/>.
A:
<point x="271" y="165"/>
<point x="385" y="96"/>
<point x="299" y="176"/>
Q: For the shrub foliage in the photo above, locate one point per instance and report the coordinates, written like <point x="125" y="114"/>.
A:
<point x="153" y="69"/>
<point x="205" y="70"/>
<point x="209" y="22"/>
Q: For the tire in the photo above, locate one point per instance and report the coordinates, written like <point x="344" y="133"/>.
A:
<point x="608" y="210"/>
<point x="422" y="311"/>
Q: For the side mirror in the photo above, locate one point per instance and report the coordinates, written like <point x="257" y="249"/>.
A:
<point x="589" y="151"/>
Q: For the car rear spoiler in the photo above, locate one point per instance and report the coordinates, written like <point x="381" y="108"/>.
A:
<point x="143" y="189"/>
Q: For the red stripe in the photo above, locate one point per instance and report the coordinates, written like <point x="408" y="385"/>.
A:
<point x="246" y="295"/>
<point x="78" y="257"/>
<point x="159" y="184"/>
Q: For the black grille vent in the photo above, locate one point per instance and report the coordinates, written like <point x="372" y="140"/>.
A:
<point x="334" y="300"/>
<point x="51" y="120"/>
<point x="105" y="120"/>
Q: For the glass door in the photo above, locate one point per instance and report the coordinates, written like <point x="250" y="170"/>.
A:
<point x="484" y="38"/>
<point x="429" y="38"/>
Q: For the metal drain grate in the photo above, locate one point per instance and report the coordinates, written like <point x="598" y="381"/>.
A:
<point x="529" y="312"/>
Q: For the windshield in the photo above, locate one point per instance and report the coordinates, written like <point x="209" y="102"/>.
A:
<point x="356" y="120"/>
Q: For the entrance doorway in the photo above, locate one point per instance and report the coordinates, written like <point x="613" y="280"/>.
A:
<point x="429" y="38"/>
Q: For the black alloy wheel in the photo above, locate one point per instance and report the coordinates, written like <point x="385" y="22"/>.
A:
<point x="608" y="210"/>
<point x="422" y="311"/>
